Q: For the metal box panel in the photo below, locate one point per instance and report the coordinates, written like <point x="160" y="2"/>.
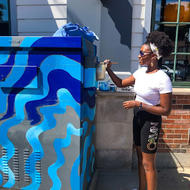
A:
<point x="47" y="113"/>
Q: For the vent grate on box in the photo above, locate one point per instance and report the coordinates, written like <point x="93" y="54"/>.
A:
<point x="16" y="165"/>
<point x="5" y="164"/>
<point x="27" y="166"/>
<point x="38" y="167"/>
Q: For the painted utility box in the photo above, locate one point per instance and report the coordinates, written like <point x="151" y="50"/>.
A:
<point x="47" y="95"/>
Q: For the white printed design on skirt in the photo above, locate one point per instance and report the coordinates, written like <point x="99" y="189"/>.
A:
<point x="153" y="136"/>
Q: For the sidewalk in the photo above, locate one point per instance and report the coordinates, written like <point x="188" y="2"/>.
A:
<point x="168" y="179"/>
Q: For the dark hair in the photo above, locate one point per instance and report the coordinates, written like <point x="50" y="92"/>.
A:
<point x="162" y="41"/>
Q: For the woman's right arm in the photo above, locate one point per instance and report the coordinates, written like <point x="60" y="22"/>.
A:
<point x="118" y="81"/>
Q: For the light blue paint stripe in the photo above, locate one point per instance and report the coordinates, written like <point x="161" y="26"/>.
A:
<point x="33" y="83"/>
<point x="14" y="76"/>
<point x="5" y="41"/>
<point x="1" y="179"/>
<point x="90" y="77"/>
<point x="21" y="60"/>
<point x="87" y="144"/>
<point x="11" y="181"/>
<point x="28" y="41"/>
<point x="59" y="144"/>
<point x="3" y="101"/>
<point x="4" y="56"/>
<point x="66" y="99"/>
<point x="75" y="178"/>
<point x="71" y="66"/>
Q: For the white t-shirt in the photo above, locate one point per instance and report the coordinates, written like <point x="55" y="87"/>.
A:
<point x="148" y="87"/>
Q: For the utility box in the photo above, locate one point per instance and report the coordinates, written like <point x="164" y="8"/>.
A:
<point x="47" y="95"/>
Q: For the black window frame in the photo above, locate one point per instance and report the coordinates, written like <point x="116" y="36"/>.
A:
<point x="9" y="19"/>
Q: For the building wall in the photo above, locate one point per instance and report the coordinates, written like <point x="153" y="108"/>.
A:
<point x="111" y="21"/>
<point x="175" y="133"/>
<point x="115" y="38"/>
<point x="40" y="17"/>
<point x="85" y="13"/>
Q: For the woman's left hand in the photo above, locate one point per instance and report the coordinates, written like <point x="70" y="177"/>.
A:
<point x="130" y="104"/>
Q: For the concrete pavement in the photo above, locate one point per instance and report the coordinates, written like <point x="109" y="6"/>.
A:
<point x="168" y="179"/>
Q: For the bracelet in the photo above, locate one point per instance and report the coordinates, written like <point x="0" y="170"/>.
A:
<point x="140" y="106"/>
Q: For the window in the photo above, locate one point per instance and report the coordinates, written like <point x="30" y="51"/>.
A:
<point x="173" y="17"/>
<point x="4" y="18"/>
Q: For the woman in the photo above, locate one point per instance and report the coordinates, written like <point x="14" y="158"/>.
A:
<point x="153" y="99"/>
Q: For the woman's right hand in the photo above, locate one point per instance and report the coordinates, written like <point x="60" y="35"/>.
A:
<point x="108" y="63"/>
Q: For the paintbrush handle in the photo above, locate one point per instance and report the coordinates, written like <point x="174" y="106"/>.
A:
<point x="114" y="62"/>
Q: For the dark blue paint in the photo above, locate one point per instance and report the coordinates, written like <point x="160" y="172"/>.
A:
<point x="4" y="71"/>
<point x="57" y="79"/>
<point x="86" y="98"/>
<point x="33" y="60"/>
<point x="58" y="42"/>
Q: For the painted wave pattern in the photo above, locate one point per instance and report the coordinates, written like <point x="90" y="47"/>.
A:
<point x="61" y="88"/>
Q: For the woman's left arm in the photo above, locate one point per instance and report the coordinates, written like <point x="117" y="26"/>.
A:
<point x="163" y="109"/>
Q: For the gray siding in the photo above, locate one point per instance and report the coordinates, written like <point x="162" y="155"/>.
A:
<point x="111" y="20"/>
<point x="85" y="13"/>
<point x="40" y="17"/>
<point x="116" y="22"/>
<point x="121" y="26"/>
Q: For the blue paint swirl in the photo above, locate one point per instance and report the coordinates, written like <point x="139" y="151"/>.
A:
<point x="88" y="141"/>
<point x="59" y="144"/>
<point x="49" y="122"/>
<point x="61" y="79"/>
<point x="62" y="83"/>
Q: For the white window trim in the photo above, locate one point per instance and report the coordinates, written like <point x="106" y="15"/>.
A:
<point x="147" y="19"/>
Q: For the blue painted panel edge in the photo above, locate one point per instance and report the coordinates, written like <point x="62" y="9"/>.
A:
<point x="45" y="42"/>
<point x="59" y="42"/>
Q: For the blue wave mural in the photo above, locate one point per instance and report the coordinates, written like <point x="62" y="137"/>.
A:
<point x="47" y="113"/>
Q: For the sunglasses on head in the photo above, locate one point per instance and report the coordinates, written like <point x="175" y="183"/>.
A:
<point x="144" y="53"/>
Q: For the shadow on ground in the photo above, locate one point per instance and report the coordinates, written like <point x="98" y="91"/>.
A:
<point x="169" y="176"/>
